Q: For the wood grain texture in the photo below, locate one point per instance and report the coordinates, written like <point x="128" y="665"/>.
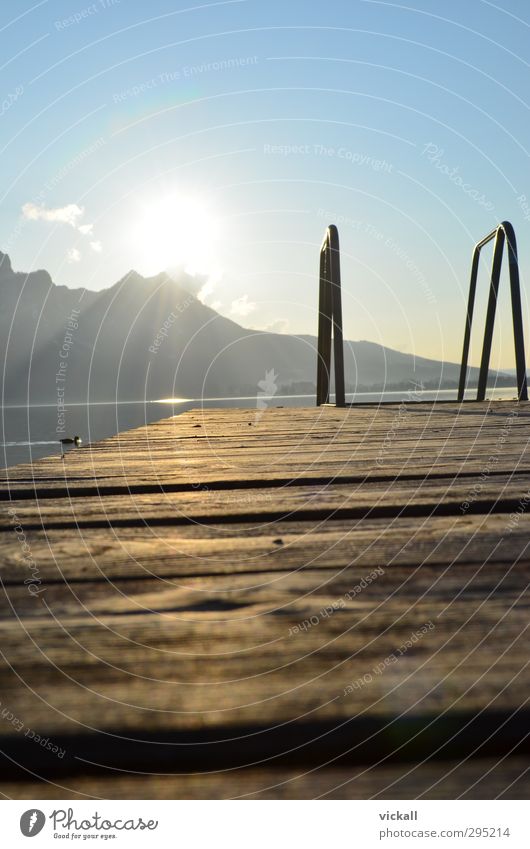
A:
<point x="298" y="598"/>
<point x="479" y="778"/>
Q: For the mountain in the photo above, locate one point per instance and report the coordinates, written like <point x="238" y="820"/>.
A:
<point x="152" y="338"/>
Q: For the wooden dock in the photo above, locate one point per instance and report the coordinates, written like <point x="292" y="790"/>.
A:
<point x="288" y="603"/>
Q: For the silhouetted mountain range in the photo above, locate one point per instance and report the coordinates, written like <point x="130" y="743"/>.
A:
<point x="151" y="338"/>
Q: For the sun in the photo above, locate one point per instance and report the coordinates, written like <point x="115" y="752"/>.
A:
<point x="177" y="231"/>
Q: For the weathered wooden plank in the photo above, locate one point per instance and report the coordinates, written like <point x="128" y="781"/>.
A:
<point x="246" y="632"/>
<point x="200" y="550"/>
<point x="295" y="443"/>
<point x="198" y="472"/>
<point x="454" y="496"/>
<point x="294" y="592"/>
<point x="182" y="669"/>
<point x="484" y="778"/>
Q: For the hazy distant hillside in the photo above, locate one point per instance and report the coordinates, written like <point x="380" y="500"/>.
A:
<point x="150" y="338"/>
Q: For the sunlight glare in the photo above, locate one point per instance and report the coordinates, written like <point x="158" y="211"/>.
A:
<point x="178" y="232"/>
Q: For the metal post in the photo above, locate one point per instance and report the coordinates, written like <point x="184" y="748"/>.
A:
<point x="490" y="314"/>
<point x="324" y="331"/>
<point x="330" y="320"/>
<point x="469" y="319"/>
<point x="517" y="316"/>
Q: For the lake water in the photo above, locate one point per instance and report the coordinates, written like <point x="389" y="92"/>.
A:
<point x="29" y="432"/>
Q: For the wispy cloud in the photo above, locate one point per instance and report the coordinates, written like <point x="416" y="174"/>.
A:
<point x="74" y="255"/>
<point x="69" y="214"/>
<point x="72" y="215"/>
<point x="209" y="285"/>
<point x="281" y="325"/>
<point x="242" y="306"/>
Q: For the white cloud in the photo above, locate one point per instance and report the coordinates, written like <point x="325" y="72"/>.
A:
<point x="205" y="291"/>
<point x="281" y="325"/>
<point x="215" y="305"/>
<point x="242" y="306"/>
<point x="74" y="255"/>
<point x="209" y="285"/>
<point x="68" y="214"/>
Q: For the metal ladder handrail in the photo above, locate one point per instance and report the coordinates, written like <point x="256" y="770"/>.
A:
<point x="504" y="232"/>
<point x="330" y="316"/>
<point x="330" y="320"/>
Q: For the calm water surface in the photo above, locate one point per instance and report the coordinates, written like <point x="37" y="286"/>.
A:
<point x="29" y="433"/>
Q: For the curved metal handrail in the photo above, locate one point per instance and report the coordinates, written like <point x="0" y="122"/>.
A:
<point x="330" y="316"/>
<point x="503" y="233"/>
<point x="330" y="320"/>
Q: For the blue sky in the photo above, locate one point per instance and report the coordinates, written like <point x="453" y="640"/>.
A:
<point x="258" y="123"/>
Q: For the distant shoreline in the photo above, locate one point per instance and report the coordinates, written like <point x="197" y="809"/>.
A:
<point x="390" y="389"/>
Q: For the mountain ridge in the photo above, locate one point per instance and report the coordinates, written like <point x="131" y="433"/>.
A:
<point x="148" y="338"/>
